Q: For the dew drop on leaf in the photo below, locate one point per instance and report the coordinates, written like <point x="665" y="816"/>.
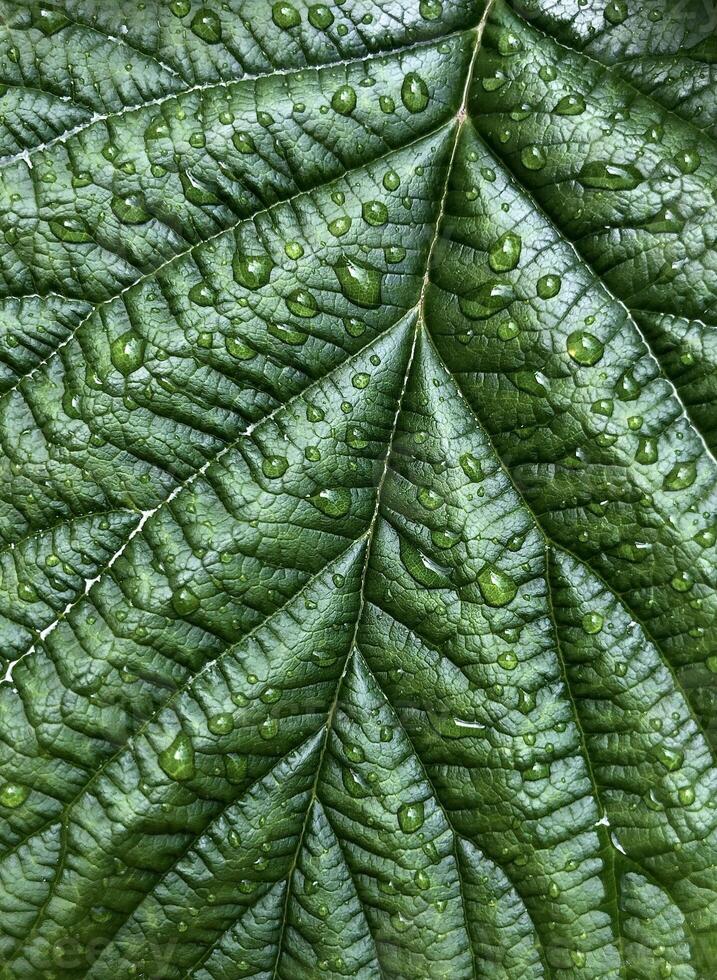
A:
<point x="592" y="622"/>
<point x="414" y="93"/>
<point x="252" y="271"/>
<point x="360" y="283"/>
<point x="411" y="817"/>
<point x="207" y="26"/>
<point x="177" y="761"/>
<point x="13" y="795"/>
<point x="285" y="15"/>
<point x="497" y="588"/>
<point x="343" y="100"/>
<point x="584" y="348"/>
<point x="127" y="352"/>
<point x="505" y="254"/>
<point x="333" y="501"/>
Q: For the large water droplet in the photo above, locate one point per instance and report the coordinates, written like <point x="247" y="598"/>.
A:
<point x="184" y="601"/>
<point x="177" y="761"/>
<point x="71" y="229"/>
<point x="605" y="176"/>
<point x="505" y="254"/>
<point x="302" y="303"/>
<point x="13" y="795"/>
<point x="592" y="622"/>
<point x="423" y="569"/>
<point x="374" y="213"/>
<point x="497" y="588"/>
<point x="343" y="100"/>
<point x="584" y="348"/>
<point x="221" y="724"/>
<point x="681" y="476"/>
<point x="127" y="352"/>
<point x="320" y="16"/>
<point x="486" y="300"/>
<point x="274" y="467"/>
<point x="130" y="209"/>
<point x="615" y="11"/>
<point x="207" y="26"/>
<point x="671" y="759"/>
<point x="570" y="105"/>
<point x="333" y="501"/>
<point x="360" y="283"/>
<point x="252" y="271"/>
<point x="414" y="93"/>
<point x="411" y="817"/>
<point x="285" y="15"/>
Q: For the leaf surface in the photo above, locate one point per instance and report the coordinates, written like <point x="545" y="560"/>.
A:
<point x="358" y="501"/>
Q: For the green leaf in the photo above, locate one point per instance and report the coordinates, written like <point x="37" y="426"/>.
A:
<point x="359" y="498"/>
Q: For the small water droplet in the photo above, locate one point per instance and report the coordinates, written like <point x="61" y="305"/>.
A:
<point x="360" y="283"/>
<point x="343" y="100"/>
<point x="207" y="26"/>
<point x="127" y="352"/>
<point x="592" y="622"/>
<point x="505" y="254"/>
<point x="584" y="348"/>
<point x="252" y="271"/>
<point x="13" y="795"/>
<point x="333" y="501"/>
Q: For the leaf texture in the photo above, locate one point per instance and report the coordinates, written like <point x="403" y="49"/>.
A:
<point x="359" y="498"/>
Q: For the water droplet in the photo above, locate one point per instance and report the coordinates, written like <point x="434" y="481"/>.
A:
<point x="285" y="15"/>
<point x="391" y="180"/>
<point x="207" y="26"/>
<point x="244" y="142"/>
<point x="538" y="770"/>
<point x="127" y="352"/>
<point x="360" y="283"/>
<point x="429" y="498"/>
<point x="294" y="250"/>
<point x="414" y="93"/>
<point x="410" y="817"/>
<point x="221" y="724"/>
<point x="681" y="476"/>
<point x="48" y="21"/>
<point x="508" y="660"/>
<point x="682" y="581"/>
<point x="549" y="286"/>
<point x="509" y="44"/>
<point x="237" y="348"/>
<point x="302" y="303"/>
<point x="505" y="254"/>
<point x="286" y="334"/>
<point x="688" y="161"/>
<point x="71" y="229"/>
<point x="374" y="213"/>
<point x="616" y="11"/>
<point x="269" y="729"/>
<point x="671" y="759"/>
<point x="252" y="271"/>
<point x="605" y="176"/>
<point x="592" y="622"/>
<point x="320" y="16"/>
<point x="354" y="783"/>
<point x="472" y="467"/>
<point x="202" y="294"/>
<point x="333" y="501"/>
<point x="343" y="100"/>
<point x="570" y="105"/>
<point x="339" y="226"/>
<point x="423" y="569"/>
<point x="13" y="795"/>
<point x="184" y="601"/>
<point x="177" y="761"/>
<point x="497" y="588"/>
<point x="646" y="451"/>
<point x="430" y="9"/>
<point x="578" y="957"/>
<point x="274" y="467"/>
<point x="180" y="8"/>
<point x="686" y="795"/>
<point x="533" y="157"/>
<point x="486" y="300"/>
<point x="584" y="348"/>
<point x="130" y="209"/>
